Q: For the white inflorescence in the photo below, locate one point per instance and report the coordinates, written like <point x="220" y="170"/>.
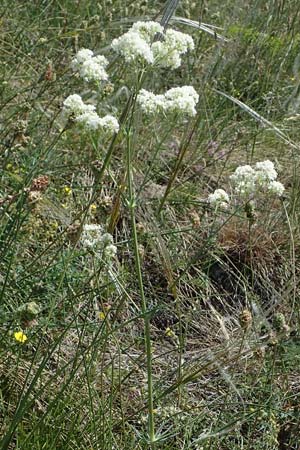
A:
<point x="164" y="57"/>
<point x="168" y="52"/>
<point x="92" y="122"/>
<point x="91" y="236"/>
<point x="93" y="71"/>
<point x="90" y="68"/>
<point x="83" y="55"/>
<point x="178" y="41"/>
<point x="109" y="123"/>
<point x="219" y="198"/>
<point x="138" y="44"/>
<point x="265" y="171"/>
<point x="180" y="100"/>
<point x="150" y="103"/>
<point x="276" y="188"/>
<point x="243" y="180"/>
<point x="132" y="46"/>
<point x="89" y="120"/>
<point x="95" y="240"/>
<point x="147" y="30"/>
<point x="86" y="115"/>
<point x="248" y="181"/>
<point x="75" y="105"/>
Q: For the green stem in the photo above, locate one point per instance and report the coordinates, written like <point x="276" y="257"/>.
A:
<point x="148" y="347"/>
<point x="109" y="153"/>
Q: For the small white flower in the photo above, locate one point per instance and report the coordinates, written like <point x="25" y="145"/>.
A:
<point x="219" y="198"/>
<point x="265" y="172"/>
<point x="138" y="43"/>
<point x="75" y="105"/>
<point x="132" y="46"/>
<point x="92" y="122"/>
<point x="182" y="100"/>
<point x="147" y="30"/>
<point x="91" y="236"/>
<point x="91" y="70"/>
<point x="110" y="124"/>
<point x="277" y="188"/>
<point x="244" y="179"/>
<point x="89" y="120"/>
<point x="100" y="59"/>
<point x="101" y="244"/>
<point x="81" y="56"/>
<point x="106" y="239"/>
<point x="110" y="251"/>
<point x="164" y="57"/>
<point x="167" y="53"/>
<point x="248" y="181"/>
<point x="181" y="42"/>
<point x="149" y="102"/>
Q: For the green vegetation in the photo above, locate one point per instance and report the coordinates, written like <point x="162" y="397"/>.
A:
<point x="188" y="336"/>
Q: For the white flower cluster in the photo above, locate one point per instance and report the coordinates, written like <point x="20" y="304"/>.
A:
<point x="90" y="68"/>
<point x="168" y="52"/>
<point x="138" y="44"/>
<point x="75" y="105"/>
<point x="92" y="122"/>
<point x="86" y="115"/>
<point x="147" y="30"/>
<point x="247" y="181"/>
<point x="243" y="180"/>
<point x="265" y="172"/>
<point x="151" y="103"/>
<point x="276" y="188"/>
<point x="81" y="56"/>
<point x="180" y="100"/>
<point x="132" y="47"/>
<point x="94" y="239"/>
<point x="219" y="198"/>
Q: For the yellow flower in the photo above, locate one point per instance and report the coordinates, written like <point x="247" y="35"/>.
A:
<point x="101" y="315"/>
<point x="169" y="332"/>
<point x="20" y="337"/>
<point x="93" y="208"/>
<point x="67" y="190"/>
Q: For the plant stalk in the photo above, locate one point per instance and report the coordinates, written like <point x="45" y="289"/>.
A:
<point x="148" y="346"/>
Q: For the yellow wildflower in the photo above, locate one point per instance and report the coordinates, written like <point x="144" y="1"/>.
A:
<point x="169" y="332"/>
<point x="67" y="190"/>
<point x="20" y="337"/>
<point x="93" y="208"/>
<point x="101" y="315"/>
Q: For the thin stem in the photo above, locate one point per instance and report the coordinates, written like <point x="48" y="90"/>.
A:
<point x="122" y="184"/>
<point x="109" y="153"/>
<point x="182" y="151"/>
<point x="148" y="347"/>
